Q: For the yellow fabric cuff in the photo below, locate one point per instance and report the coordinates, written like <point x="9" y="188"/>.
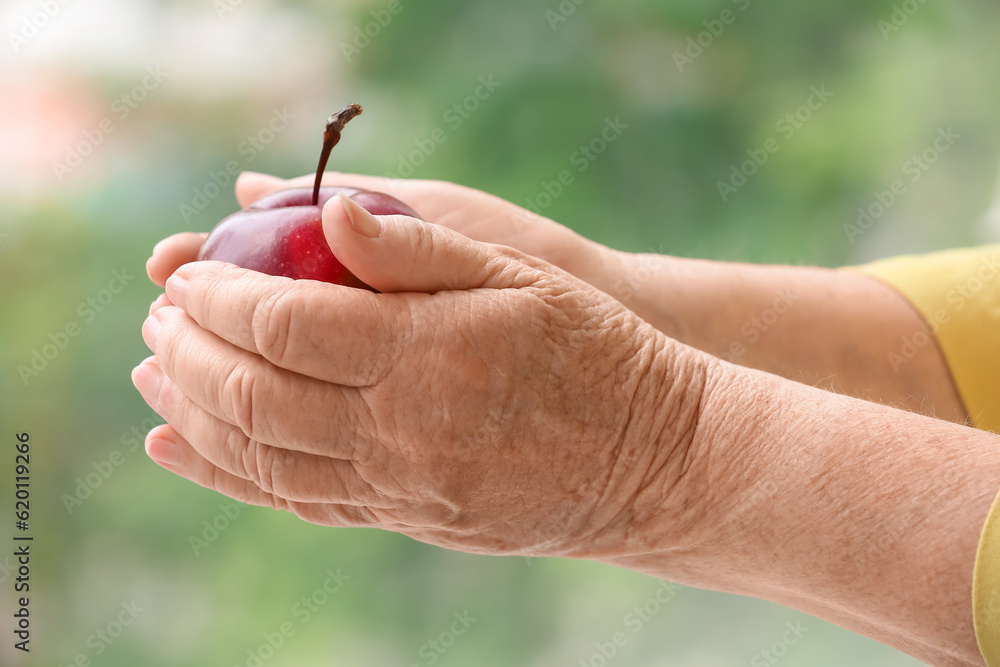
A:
<point x="958" y="294"/>
<point x="986" y="588"/>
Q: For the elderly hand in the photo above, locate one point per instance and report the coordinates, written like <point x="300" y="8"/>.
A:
<point x="836" y="329"/>
<point x="475" y="214"/>
<point x="489" y="402"/>
<point x="486" y="401"/>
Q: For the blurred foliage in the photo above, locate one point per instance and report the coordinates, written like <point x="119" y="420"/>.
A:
<point x="655" y="188"/>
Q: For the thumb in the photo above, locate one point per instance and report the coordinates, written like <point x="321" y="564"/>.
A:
<point x="397" y="253"/>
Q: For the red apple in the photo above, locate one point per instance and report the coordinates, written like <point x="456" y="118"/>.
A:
<point x="282" y="233"/>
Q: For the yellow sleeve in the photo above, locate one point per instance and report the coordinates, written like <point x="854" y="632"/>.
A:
<point x="986" y="588"/>
<point x="958" y="294"/>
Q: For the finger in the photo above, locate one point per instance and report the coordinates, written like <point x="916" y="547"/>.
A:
<point x="341" y="335"/>
<point x="252" y="185"/>
<point x="267" y="403"/>
<point x="159" y="302"/>
<point x="288" y="474"/>
<point x="170" y="253"/>
<point x="169" y="449"/>
<point x="395" y="253"/>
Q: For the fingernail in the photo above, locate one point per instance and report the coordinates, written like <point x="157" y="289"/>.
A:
<point x="362" y="221"/>
<point x="164" y="452"/>
<point x="177" y="291"/>
<point x="147" y="378"/>
<point x="150" y="330"/>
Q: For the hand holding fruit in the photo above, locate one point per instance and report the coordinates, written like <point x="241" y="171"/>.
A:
<point x="278" y="230"/>
<point x="303" y="396"/>
<point x="282" y="234"/>
<point x="488" y="402"/>
<point x="473" y="213"/>
<point x="552" y="404"/>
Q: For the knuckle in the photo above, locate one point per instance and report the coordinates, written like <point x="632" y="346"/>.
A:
<point x="171" y="402"/>
<point x="423" y="243"/>
<point x="176" y="348"/>
<point x="167" y="339"/>
<point x="354" y="516"/>
<point x="235" y="450"/>
<point x="279" y="503"/>
<point x="259" y="464"/>
<point x="389" y="344"/>
<point x="239" y="392"/>
<point x="507" y="252"/>
<point x="507" y="266"/>
<point x="271" y="322"/>
<point x="210" y="286"/>
<point x="356" y="489"/>
<point x="387" y="360"/>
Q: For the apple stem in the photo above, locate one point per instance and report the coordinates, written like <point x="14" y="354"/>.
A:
<point x="331" y="136"/>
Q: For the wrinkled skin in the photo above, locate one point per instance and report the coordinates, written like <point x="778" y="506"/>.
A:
<point x="487" y="401"/>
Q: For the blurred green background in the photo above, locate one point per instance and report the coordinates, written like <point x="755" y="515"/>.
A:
<point x="119" y="114"/>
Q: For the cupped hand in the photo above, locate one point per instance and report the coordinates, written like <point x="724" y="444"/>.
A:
<point x="485" y="401"/>
<point x="478" y="215"/>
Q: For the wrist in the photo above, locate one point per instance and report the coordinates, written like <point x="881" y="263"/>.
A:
<point x="831" y="504"/>
<point x="689" y="523"/>
<point x="660" y="498"/>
